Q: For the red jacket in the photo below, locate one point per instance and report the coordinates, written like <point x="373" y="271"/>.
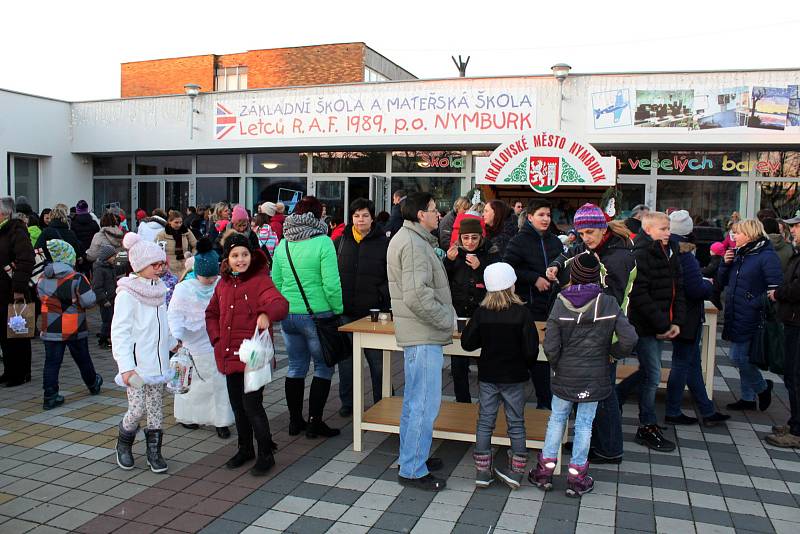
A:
<point x="276" y="222"/>
<point x="234" y="309"/>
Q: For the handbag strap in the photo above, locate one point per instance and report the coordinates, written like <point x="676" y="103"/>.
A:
<point x="297" y="279"/>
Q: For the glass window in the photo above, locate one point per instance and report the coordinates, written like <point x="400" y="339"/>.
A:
<point x="288" y="190"/>
<point x="783" y="197"/>
<point x="177" y="196"/>
<point x="691" y="163"/>
<point x="428" y="162"/>
<point x="156" y="165"/>
<point x="710" y="203"/>
<point x="630" y="161"/>
<point x="777" y="164"/>
<point x="111" y="194"/>
<point x="26" y="180"/>
<point x="212" y="190"/>
<point x="218" y="164"/>
<point x="349" y="162"/>
<point x="278" y="163"/>
<point x="149" y="196"/>
<point x="444" y="190"/>
<point x="112" y="166"/>
<point x="231" y="78"/>
<point x="632" y="194"/>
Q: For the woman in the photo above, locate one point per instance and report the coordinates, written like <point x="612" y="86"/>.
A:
<point x="180" y="242"/>
<point x="747" y="273"/>
<point x="501" y="226"/>
<point x="218" y="220"/>
<point x="58" y="228"/>
<point x="207" y="400"/>
<point x="314" y="259"/>
<point x="465" y="263"/>
<point x="110" y="234"/>
<point x="44" y="218"/>
<point x="84" y="226"/>
<point x="240" y="224"/>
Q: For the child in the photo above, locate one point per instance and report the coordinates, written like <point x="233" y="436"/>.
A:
<point x="716" y="253"/>
<point x="104" y="284"/>
<point x="141" y="343"/>
<point x="65" y="295"/>
<point x="245" y="298"/>
<point x="465" y="263"/>
<point x="207" y="400"/>
<point x="504" y="330"/>
<point x="578" y="343"/>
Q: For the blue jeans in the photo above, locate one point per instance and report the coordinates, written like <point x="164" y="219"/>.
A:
<point x="558" y="423"/>
<point x="512" y="397"/>
<point x="54" y="355"/>
<point x="607" y="428"/>
<point x="647" y="377"/>
<point x="302" y="344"/>
<point x="686" y="371"/>
<point x="422" y="396"/>
<point x="750" y="377"/>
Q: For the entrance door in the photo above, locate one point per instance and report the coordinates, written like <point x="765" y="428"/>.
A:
<point x="332" y="192"/>
<point x="147" y="195"/>
<point x="378" y="193"/>
<point x="177" y="196"/>
<point x="152" y="193"/>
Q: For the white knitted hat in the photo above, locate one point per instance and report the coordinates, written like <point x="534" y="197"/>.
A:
<point x="499" y="276"/>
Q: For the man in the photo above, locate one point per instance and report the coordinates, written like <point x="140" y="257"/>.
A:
<point x="634" y="222"/>
<point x="361" y="252"/>
<point x="424" y="321"/>
<point x="657" y="311"/>
<point x="396" y="219"/>
<point x="518" y="207"/>
<point x="15" y="250"/>
<point x="782" y="248"/>
<point x="530" y="252"/>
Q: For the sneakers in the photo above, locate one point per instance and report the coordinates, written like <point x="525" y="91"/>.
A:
<point x="783" y="440"/>
<point x="651" y="436"/>
<point x="98" y="381"/>
<point x="52" y="401"/>
<point x="513" y="473"/>
<point x="542" y="475"/>
<point x="742" y="405"/>
<point x="780" y="429"/>
<point x="578" y="480"/>
<point x="765" y="397"/>
<point x="681" y="419"/>
<point x="433" y="464"/>
<point x="483" y="469"/>
<point x="426" y="483"/>
<point x="714" y="420"/>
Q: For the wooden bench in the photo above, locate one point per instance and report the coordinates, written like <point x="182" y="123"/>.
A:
<point x="624" y="371"/>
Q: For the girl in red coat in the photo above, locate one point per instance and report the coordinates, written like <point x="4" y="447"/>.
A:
<point x="244" y="297"/>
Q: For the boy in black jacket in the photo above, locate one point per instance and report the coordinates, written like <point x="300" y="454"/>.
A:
<point x="657" y="310"/>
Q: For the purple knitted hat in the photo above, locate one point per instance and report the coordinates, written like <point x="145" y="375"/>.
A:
<point x="589" y="216"/>
<point x="82" y="207"/>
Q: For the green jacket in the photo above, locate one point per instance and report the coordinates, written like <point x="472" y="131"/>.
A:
<point x="34" y="232"/>
<point x="316" y="265"/>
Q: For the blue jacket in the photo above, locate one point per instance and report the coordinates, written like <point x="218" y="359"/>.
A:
<point x="696" y="289"/>
<point x="754" y="270"/>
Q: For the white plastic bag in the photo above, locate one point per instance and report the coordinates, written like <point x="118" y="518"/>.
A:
<point x="181" y="367"/>
<point x="257" y="354"/>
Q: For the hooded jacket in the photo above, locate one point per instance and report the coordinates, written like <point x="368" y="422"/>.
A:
<point x="578" y="343"/>
<point x="16" y="250"/>
<point x="108" y="235"/>
<point x="234" y="308"/>
<point x="362" y="271"/>
<point x="150" y="227"/>
<point x="65" y="296"/>
<point x="421" y="302"/>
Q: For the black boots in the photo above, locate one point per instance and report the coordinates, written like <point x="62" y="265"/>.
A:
<point x="264" y="462"/>
<point x="154" y="458"/>
<point x="316" y="404"/>
<point x="294" y="400"/>
<point x="124" y="444"/>
<point x="242" y="456"/>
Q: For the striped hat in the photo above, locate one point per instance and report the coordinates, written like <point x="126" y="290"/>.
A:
<point x="589" y="216"/>
<point x="585" y="269"/>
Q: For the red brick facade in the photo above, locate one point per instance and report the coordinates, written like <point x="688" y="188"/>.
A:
<point x="278" y="67"/>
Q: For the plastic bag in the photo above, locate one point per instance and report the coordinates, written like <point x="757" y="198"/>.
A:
<point x="181" y="367"/>
<point x="257" y="354"/>
<point x="256" y="351"/>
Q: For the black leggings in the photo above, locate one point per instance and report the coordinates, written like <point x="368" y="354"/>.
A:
<point x="251" y="418"/>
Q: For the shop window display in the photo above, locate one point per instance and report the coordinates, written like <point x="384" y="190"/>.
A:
<point x="444" y="190"/>
<point x="710" y="203"/>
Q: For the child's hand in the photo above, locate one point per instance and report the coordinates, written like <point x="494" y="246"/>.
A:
<point x="263" y="322"/>
<point x="127" y="376"/>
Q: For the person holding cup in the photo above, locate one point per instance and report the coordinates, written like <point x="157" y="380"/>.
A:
<point x="465" y="263"/>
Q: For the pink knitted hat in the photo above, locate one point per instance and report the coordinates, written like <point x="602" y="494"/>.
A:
<point x="142" y="253"/>
<point x="239" y="214"/>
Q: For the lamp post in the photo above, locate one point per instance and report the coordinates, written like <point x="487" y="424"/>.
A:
<point x="192" y="90"/>
<point x="560" y="71"/>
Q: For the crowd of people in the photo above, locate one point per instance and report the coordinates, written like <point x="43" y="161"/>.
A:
<point x="206" y="279"/>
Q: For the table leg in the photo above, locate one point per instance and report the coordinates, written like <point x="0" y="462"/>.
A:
<point x="386" y="378"/>
<point x="358" y="391"/>
<point x="708" y="353"/>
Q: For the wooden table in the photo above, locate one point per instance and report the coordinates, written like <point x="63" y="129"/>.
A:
<point x="456" y="421"/>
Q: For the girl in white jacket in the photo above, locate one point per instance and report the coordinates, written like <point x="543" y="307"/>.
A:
<point x="141" y="342"/>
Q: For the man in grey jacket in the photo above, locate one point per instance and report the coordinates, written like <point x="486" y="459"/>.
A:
<point x="424" y="320"/>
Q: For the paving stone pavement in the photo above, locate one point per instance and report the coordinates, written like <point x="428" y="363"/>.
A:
<point x="58" y="474"/>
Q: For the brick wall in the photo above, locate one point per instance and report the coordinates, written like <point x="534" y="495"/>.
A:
<point x="278" y="67"/>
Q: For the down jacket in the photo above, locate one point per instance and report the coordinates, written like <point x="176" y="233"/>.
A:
<point x="315" y="262"/>
<point x="529" y="253"/>
<point x="421" y="303"/>
<point x="696" y="290"/>
<point x="108" y="235"/>
<point x="84" y="227"/>
<point x="656" y="299"/>
<point x="234" y="308"/>
<point x="362" y="271"/>
<point x="754" y="270"/>
<point x="15" y="248"/>
<point x="578" y="343"/>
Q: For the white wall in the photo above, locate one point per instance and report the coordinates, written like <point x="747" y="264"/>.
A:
<point x="35" y="126"/>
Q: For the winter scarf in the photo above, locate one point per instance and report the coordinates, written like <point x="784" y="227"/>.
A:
<point x="148" y="292"/>
<point x="302" y="227"/>
<point x="177" y="235"/>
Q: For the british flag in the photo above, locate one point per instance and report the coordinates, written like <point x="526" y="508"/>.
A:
<point x="226" y="121"/>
